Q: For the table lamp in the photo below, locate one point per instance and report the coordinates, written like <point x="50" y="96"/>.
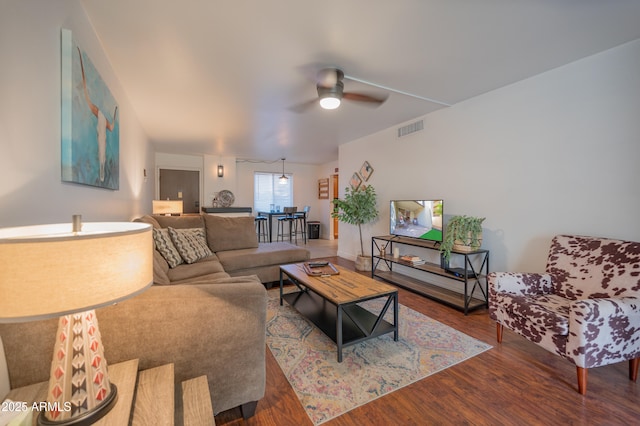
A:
<point x="167" y="207"/>
<point x="67" y="271"/>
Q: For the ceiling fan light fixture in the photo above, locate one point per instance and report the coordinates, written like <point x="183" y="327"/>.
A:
<point x="330" y="97"/>
<point x="330" y="102"/>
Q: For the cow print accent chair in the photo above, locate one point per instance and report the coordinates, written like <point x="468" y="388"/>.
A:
<point x="585" y="307"/>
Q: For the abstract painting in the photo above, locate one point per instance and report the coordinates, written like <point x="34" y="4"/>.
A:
<point x="90" y="121"/>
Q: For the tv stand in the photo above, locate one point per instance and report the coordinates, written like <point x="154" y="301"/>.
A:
<point x="473" y="275"/>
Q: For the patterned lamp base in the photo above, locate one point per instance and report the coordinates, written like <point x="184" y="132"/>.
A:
<point x="79" y="392"/>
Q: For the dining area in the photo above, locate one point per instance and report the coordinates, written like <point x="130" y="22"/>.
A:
<point x="290" y="223"/>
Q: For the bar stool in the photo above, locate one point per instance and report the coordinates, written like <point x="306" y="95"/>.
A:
<point x="301" y="223"/>
<point x="287" y="218"/>
<point x="261" y="228"/>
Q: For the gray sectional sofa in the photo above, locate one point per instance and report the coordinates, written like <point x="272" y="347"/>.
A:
<point x="234" y="246"/>
<point x="207" y="317"/>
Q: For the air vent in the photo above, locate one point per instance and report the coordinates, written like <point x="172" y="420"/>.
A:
<point x="411" y="128"/>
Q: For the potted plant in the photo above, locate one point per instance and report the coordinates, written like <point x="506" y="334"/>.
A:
<point x="357" y="208"/>
<point x="463" y="233"/>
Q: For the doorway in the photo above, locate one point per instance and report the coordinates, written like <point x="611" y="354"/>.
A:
<point x="180" y="185"/>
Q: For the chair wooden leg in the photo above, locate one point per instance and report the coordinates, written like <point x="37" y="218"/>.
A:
<point x="499" y="328"/>
<point x="582" y="380"/>
<point x="633" y="369"/>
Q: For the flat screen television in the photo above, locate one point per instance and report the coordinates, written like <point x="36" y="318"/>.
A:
<point x="420" y="219"/>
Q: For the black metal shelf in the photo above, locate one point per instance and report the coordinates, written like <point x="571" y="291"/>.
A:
<point x="323" y="314"/>
<point x="475" y="271"/>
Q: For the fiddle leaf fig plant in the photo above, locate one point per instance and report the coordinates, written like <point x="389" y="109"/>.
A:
<point x="462" y="230"/>
<point x="357" y="208"/>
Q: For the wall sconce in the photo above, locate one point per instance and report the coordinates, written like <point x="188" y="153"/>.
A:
<point x="220" y="170"/>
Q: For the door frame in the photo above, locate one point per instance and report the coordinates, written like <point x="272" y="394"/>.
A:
<point x="185" y="168"/>
<point x="334" y="186"/>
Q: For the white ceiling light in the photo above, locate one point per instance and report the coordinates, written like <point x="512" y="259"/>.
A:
<point x="330" y="102"/>
<point x="330" y="96"/>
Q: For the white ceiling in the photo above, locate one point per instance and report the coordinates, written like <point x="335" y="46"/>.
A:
<point x="219" y="77"/>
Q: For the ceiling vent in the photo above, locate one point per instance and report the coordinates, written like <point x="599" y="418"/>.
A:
<point x="410" y="128"/>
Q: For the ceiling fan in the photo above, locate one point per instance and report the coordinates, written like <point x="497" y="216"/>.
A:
<point x="331" y="91"/>
<point x="330" y="86"/>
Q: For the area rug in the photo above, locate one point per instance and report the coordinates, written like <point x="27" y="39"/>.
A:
<point x="370" y="369"/>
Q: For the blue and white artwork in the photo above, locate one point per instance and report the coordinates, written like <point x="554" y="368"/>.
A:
<point x="90" y="121"/>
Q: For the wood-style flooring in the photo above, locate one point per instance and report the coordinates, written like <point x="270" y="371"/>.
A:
<point x="515" y="383"/>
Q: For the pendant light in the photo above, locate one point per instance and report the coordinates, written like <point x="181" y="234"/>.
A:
<point x="283" y="179"/>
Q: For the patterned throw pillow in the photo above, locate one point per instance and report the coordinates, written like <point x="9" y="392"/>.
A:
<point x="166" y="248"/>
<point x="191" y="243"/>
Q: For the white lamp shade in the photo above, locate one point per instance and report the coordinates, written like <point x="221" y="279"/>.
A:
<point x="48" y="271"/>
<point x="167" y="206"/>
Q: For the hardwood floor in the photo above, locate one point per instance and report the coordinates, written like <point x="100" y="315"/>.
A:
<point x="516" y="382"/>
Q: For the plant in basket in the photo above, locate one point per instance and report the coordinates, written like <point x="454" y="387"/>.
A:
<point x="463" y="233"/>
<point x="358" y="208"/>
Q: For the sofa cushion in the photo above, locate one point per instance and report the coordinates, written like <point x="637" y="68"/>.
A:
<point x="179" y="222"/>
<point x="230" y="233"/>
<point x="191" y="243"/>
<point x="264" y="255"/>
<point x="206" y="266"/>
<point x="164" y="245"/>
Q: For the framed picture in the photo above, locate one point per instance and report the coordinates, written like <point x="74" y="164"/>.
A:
<point x="323" y="189"/>
<point x="366" y="170"/>
<point x="355" y="181"/>
<point x="90" y="138"/>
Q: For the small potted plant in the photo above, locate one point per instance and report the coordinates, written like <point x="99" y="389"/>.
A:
<point x="463" y="233"/>
<point x="358" y="208"/>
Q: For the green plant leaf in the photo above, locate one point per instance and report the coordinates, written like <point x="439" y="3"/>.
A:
<point x="357" y="208"/>
<point x="463" y="228"/>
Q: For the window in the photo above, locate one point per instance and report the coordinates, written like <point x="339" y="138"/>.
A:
<point x="268" y="190"/>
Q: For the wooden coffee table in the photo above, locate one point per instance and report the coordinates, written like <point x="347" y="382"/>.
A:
<point x="331" y="303"/>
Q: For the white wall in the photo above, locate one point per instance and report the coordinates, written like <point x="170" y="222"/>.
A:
<point x="207" y="165"/>
<point x="32" y="191"/>
<point x="214" y="184"/>
<point x="556" y="153"/>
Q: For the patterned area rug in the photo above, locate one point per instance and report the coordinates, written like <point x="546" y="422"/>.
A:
<point x="369" y="369"/>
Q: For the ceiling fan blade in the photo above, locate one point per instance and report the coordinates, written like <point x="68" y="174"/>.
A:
<point x="361" y="97"/>
<point x="302" y="107"/>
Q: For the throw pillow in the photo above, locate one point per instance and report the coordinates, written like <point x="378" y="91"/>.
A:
<point x="191" y="243"/>
<point x="165" y="246"/>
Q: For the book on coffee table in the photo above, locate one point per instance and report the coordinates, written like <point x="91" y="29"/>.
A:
<point x="316" y="269"/>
